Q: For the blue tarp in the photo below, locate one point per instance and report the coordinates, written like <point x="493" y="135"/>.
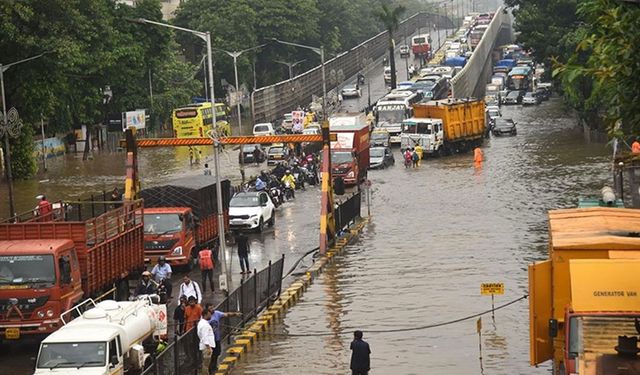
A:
<point x="455" y="61"/>
<point x="509" y="63"/>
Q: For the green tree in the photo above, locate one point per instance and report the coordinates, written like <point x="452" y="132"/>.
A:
<point x="390" y="18"/>
<point x="23" y="162"/>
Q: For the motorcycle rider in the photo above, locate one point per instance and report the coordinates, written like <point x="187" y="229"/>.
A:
<point x="279" y="170"/>
<point x="146" y="285"/>
<point x="162" y="274"/>
<point x="261" y="181"/>
<point x="301" y="175"/>
<point x="288" y="178"/>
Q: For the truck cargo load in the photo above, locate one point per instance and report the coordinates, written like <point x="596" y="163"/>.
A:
<point x="445" y="126"/>
<point x="46" y="267"/>
<point x="585" y="298"/>
<point x="181" y="218"/>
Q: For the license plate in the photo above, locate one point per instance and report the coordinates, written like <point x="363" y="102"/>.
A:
<point x="12" y="333"/>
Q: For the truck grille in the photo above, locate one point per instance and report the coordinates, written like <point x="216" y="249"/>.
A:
<point x="160" y="245"/>
<point x="25" y="305"/>
<point x="340" y="170"/>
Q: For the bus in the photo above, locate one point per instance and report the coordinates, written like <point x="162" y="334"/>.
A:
<point x="420" y="45"/>
<point x="434" y="87"/>
<point x="195" y="120"/>
<point x="520" y="78"/>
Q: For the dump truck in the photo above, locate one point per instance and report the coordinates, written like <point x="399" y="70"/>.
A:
<point x="445" y="126"/>
<point x="80" y="251"/>
<point x="108" y="337"/>
<point x="181" y="217"/>
<point x="584" y="300"/>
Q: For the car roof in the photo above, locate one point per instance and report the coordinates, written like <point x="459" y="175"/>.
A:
<point x="246" y="194"/>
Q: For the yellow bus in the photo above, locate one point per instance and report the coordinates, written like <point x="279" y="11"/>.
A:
<point x="195" y="120"/>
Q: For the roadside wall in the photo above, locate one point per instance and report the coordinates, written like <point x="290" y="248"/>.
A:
<point x="271" y="102"/>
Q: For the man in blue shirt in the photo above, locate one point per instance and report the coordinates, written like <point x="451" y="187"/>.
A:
<point x="261" y="182"/>
<point x="162" y="274"/>
<point x="216" y="316"/>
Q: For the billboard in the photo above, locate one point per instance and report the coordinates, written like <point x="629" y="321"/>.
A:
<point x="134" y="118"/>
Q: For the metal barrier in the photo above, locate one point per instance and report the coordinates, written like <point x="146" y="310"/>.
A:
<point x="271" y="102"/>
<point x="347" y="211"/>
<point x="254" y="294"/>
<point x="470" y="81"/>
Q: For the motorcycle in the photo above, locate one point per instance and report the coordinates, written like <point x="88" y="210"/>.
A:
<point x="288" y="191"/>
<point x="299" y="177"/>
<point x="276" y="196"/>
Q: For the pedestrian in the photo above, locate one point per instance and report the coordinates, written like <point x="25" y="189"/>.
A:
<point x="420" y="151"/>
<point x="162" y="274"/>
<point x="244" y="248"/>
<point x="408" y="155"/>
<point x="216" y="317"/>
<point x="190" y="155"/>
<point x="477" y="155"/>
<point x="360" y="352"/>
<point x="190" y="288"/>
<point x="45" y="209"/>
<point x="207" y="342"/>
<point x="179" y="317"/>
<point x="207" y="171"/>
<point x="635" y="147"/>
<point x="415" y="158"/>
<point x="116" y="198"/>
<point x="257" y="155"/>
<point x="205" y="260"/>
<point x="192" y="313"/>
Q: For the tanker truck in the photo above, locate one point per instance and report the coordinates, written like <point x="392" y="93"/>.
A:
<point x="584" y="300"/>
<point x="109" y="337"/>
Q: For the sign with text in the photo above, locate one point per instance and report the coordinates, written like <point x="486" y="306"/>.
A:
<point x="135" y="119"/>
<point x="487" y="289"/>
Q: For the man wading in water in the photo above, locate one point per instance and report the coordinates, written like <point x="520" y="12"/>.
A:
<point x="360" y="352"/>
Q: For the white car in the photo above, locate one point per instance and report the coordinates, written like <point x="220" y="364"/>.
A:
<point x="263" y="128"/>
<point x="251" y="210"/>
<point x="350" y="91"/>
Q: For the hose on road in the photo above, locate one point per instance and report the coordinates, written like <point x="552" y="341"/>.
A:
<point x="295" y="265"/>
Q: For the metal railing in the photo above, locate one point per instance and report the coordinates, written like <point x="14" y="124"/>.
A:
<point x="347" y="211"/>
<point x="254" y="294"/>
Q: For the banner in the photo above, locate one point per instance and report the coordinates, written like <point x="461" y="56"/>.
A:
<point x="135" y="119"/>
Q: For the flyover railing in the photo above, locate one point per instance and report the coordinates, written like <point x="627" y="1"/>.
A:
<point x="348" y="211"/>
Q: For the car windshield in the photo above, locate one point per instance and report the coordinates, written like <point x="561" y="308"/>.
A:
<point x="162" y="223"/>
<point x="275" y="150"/>
<point x="341" y="157"/>
<point x="249" y="148"/>
<point x="86" y="354"/>
<point x="376" y="152"/>
<point x="244" y="201"/>
<point x="350" y="87"/>
<point x="261" y="128"/>
<point x="392" y="116"/>
<point x="19" y="269"/>
<point x="503" y="123"/>
<point x="513" y="94"/>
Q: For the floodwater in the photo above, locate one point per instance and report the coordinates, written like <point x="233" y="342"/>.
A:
<point x="436" y="233"/>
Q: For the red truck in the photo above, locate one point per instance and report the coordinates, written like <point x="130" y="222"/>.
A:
<point x="181" y="217"/>
<point x="350" y="150"/>
<point x="47" y="265"/>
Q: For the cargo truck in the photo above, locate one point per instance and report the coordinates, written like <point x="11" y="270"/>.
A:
<point x="181" y="217"/>
<point x="350" y="150"/>
<point x="584" y="300"/>
<point x="46" y="267"/>
<point x="445" y="126"/>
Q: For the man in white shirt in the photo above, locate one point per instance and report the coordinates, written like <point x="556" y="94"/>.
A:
<point x="190" y="288"/>
<point x="207" y="342"/>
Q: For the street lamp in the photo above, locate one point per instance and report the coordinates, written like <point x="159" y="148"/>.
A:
<point x="225" y="277"/>
<point x="10" y="127"/>
<point x="290" y="65"/>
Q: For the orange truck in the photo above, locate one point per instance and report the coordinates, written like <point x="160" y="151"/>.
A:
<point x="584" y="301"/>
<point x="47" y="265"/>
<point x="181" y="217"/>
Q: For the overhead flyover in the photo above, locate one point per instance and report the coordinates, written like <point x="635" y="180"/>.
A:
<point x="472" y="79"/>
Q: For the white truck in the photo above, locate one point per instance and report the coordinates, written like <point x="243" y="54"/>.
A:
<point x="110" y="337"/>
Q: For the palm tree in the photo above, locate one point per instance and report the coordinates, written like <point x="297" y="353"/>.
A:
<point x="390" y="18"/>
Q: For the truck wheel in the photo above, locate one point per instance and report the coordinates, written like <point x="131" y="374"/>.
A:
<point x="272" y="220"/>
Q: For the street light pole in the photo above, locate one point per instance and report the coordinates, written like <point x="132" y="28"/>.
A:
<point x="225" y="278"/>
<point x="290" y="65"/>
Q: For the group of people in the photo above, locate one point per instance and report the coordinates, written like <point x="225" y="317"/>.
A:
<point x="412" y="156"/>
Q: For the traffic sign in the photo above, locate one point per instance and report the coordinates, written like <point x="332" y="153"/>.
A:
<point x="488" y="289"/>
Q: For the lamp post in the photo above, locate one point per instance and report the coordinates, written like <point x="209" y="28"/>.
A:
<point x="10" y="127"/>
<point x="290" y="65"/>
<point x="225" y="277"/>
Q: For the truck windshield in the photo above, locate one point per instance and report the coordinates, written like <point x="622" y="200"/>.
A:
<point x="379" y="136"/>
<point x="18" y="269"/>
<point x="391" y="116"/>
<point x="416" y="128"/>
<point x="86" y="354"/>
<point x="341" y="157"/>
<point x="162" y="223"/>
<point x="598" y="334"/>
<point x="244" y="201"/>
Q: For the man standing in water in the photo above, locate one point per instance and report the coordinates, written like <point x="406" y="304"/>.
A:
<point x="360" y="351"/>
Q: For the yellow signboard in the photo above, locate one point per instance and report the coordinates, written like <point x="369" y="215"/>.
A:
<point x="605" y="285"/>
<point x="487" y="289"/>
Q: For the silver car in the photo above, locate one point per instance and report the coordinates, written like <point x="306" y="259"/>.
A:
<point x="350" y="91"/>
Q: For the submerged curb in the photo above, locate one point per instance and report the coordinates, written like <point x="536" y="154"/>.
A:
<point x="243" y="342"/>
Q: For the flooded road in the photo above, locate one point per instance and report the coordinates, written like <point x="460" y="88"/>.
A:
<point x="437" y="232"/>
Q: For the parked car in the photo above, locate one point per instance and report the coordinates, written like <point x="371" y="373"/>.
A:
<point x="531" y="98"/>
<point x="277" y="154"/>
<point x="513" y="97"/>
<point x="379" y="137"/>
<point x="404" y="51"/>
<point x="543" y="93"/>
<point x="251" y="210"/>
<point x="503" y="127"/>
<point x="493" y="111"/>
<point x="248" y="153"/>
<point x="351" y="90"/>
<point x="263" y="128"/>
<point x="380" y="157"/>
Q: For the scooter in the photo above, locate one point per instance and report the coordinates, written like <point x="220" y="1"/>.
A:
<point x="299" y="177"/>
<point x="288" y="191"/>
<point x="276" y="196"/>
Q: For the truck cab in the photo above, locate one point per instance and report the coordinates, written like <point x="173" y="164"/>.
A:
<point x="426" y="132"/>
<point x="170" y="232"/>
<point x="38" y="280"/>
